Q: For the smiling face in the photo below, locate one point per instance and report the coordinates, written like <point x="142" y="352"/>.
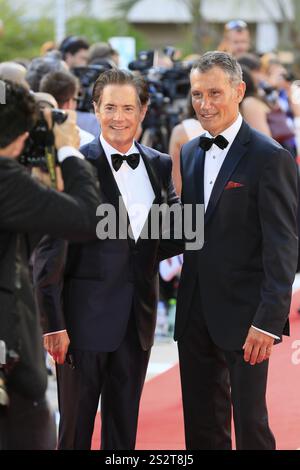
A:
<point x="119" y="113"/>
<point x="215" y="99"/>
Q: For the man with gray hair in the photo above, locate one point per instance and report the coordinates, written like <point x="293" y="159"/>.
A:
<point x="234" y="295"/>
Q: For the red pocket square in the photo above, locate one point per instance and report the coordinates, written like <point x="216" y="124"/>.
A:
<point x="232" y="185"/>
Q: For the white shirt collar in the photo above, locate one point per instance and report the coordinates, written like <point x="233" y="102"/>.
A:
<point x="109" y="149"/>
<point x="231" y="132"/>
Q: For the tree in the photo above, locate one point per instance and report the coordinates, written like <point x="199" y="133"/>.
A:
<point x="21" y="38"/>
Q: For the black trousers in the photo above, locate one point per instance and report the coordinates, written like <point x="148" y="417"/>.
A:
<point x="27" y="424"/>
<point x="118" y="377"/>
<point x="212" y="381"/>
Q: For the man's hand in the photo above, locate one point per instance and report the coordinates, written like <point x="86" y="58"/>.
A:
<point x="257" y="347"/>
<point x="67" y="133"/>
<point x="57" y="346"/>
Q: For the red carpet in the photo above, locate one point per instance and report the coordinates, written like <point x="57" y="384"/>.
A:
<point x="161" y="420"/>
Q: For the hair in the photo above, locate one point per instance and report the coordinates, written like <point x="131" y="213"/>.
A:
<point x="62" y="85"/>
<point x="101" y="50"/>
<point x="251" y="89"/>
<point x="189" y="111"/>
<point x="121" y="77"/>
<point x="73" y="44"/>
<point x="40" y="66"/>
<point x="251" y="61"/>
<point x="18" y="114"/>
<point x="224" y="61"/>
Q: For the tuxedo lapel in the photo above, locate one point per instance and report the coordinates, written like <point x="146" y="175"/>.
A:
<point x="107" y="181"/>
<point x="106" y="178"/>
<point x="151" y="161"/>
<point x="108" y="185"/>
<point x="236" y="152"/>
<point x="198" y="172"/>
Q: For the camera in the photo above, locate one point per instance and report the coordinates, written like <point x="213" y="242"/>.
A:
<point x="168" y="88"/>
<point x="87" y="77"/>
<point x="40" y="139"/>
<point x="268" y="92"/>
<point x="144" y="61"/>
<point x="39" y="150"/>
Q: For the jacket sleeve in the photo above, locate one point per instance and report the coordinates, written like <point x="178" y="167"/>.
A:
<point x="48" y="281"/>
<point x="28" y="206"/>
<point x="172" y="242"/>
<point x="277" y="206"/>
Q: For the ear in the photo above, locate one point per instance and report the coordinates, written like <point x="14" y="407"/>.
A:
<point x="14" y="149"/>
<point x="241" y="89"/>
<point x="95" y="107"/>
<point x="19" y="144"/>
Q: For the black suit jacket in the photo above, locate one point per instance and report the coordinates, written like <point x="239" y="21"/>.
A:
<point x="103" y="280"/>
<point x="245" y="270"/>
<point x="28" y="210"/>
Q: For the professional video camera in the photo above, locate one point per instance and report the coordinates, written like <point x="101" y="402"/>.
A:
<point x="39" y="150"/>
<point x="168" y="89"/>
<point x="175" y="80"/>
<point x="144" y="62"/>
<point x="87" y="77"/>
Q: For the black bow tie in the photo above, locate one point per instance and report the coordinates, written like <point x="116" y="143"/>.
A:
<point x="117" y="159"/>
<point x="206" y="142"/>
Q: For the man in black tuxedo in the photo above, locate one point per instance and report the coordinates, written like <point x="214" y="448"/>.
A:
<point x="107" y="309"/>
<point x="29" y="209"/>
<point x="234" y="295"/>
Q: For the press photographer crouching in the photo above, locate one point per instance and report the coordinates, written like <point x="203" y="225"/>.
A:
<point x="30" y="209"/>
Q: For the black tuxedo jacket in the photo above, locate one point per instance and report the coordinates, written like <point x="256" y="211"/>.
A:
<point x="102" y="281"/>
<point x="245" y="270"/>
<point x="28" y="210"/>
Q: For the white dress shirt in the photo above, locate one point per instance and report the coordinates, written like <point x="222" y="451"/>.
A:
<point x="134" y="186"/>
<point x="214" y="158"/>
<point x="67" y="151"/>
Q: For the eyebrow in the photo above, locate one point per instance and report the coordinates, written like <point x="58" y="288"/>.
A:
<point x="123" y="105"/>
<point x="196" y="90"/>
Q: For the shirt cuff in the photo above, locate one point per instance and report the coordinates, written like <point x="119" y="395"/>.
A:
<point x="68" y="151"/>
<point x="266" y="332"/>
<point x="53" y="332"/>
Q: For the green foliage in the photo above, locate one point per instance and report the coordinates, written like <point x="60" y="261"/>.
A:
<point x="21" y="38"/>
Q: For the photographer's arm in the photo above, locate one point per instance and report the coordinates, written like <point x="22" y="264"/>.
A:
<point x="48" y="280"/>
<point x="172" y="243"/>
<point x="28" y="206"/>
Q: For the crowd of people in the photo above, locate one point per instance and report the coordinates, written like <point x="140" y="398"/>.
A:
<point x="94" y="300"/>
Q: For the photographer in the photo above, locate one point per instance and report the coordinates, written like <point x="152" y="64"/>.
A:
<point x="65" y="87"/>
<point x="28" y="210"/>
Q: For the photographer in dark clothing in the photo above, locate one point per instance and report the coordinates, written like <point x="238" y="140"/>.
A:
<point x="29" y="210"/>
